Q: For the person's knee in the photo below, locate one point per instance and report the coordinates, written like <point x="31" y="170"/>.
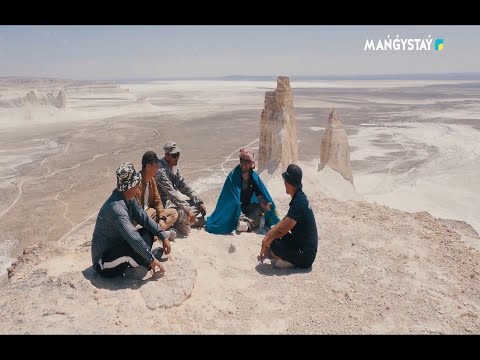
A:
<point x="182" y="216"/>
<point x="174" y="215"/>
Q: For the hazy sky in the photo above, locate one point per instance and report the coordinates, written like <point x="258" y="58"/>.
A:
<point x="93" y="52"/>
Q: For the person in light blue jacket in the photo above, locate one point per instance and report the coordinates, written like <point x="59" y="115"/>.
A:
<point x="244" y="200"/>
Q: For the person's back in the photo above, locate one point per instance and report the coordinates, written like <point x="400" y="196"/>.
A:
<point x="305" y="230"/>
<point x="106" y="233"/>
<point x="116" y="243"/>
<point x="293" y="241"/>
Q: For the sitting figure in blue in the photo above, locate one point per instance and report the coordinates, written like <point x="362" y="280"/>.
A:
<point x="243" y="201"/>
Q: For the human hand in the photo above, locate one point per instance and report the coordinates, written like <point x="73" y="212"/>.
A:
<point x="263" y="251"/>
<point x="156" y="264"/>
<point x="191" y="217"/>
<point x="166" y="246"/>
<point x="203" y="209"/>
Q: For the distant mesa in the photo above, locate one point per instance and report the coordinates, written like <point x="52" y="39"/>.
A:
<point x="334" y="148"/>
<point x="278" y="129"/>
<point x="35" y="98"/>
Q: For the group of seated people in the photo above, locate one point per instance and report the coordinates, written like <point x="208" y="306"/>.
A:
<point x="157" y="203"/>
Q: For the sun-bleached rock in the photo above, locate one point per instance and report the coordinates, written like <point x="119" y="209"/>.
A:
<point x="334" y="148"/>
<point x="34" y="97"/>
<point x="171" y="290"/>
<point x="278" y="129"/>
<point x="59" y="101"/>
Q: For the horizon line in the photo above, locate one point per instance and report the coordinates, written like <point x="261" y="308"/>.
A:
<point x="391" y="76"/>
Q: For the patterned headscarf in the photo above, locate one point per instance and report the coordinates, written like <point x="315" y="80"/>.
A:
<point x="247" y="153"/>
<point x="127" y="177"/>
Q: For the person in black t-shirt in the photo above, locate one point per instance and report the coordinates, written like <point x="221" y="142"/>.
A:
<point x="298" y="247"/>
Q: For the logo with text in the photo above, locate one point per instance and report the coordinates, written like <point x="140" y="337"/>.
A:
<point x="399" y="44"/>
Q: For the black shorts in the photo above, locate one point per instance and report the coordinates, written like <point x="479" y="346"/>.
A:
<point x="286" y="249"/>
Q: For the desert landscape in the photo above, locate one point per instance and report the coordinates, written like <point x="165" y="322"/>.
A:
<point x="398" y="233"/>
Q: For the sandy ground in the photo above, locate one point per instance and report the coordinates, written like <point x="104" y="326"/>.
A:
<point x="378" y="270"/>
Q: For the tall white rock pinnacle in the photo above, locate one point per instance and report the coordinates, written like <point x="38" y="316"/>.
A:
<point x="278" y="129"/>
<point x="334" y="148"/>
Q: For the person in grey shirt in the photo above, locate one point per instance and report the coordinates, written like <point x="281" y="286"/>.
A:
<point x="116" y="243"/>
<point x="172" y="185"/>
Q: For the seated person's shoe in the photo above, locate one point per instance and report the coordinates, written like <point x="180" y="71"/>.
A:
<point x="172" y="233"/>
<point x="183" y="229"/>
<point x="158" y="253"/>
<point x="282" y="264"/>
<point x="200" y="223"/>
<point x="242" y="226"/>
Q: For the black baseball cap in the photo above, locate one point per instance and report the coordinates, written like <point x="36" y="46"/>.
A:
<point x="293" y="176"/>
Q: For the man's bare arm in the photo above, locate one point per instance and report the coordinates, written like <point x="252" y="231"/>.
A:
<point x="279" y="230"/>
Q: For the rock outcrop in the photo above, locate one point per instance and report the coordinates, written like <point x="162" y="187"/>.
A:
<point x="334" y="148"/>
<point x="59" y="101"/>
<point x="35" y="98"/>
<point x="278" y="129"/>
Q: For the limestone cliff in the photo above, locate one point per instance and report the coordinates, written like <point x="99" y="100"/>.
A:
<point x="334" y="148"/>
<point x="278" y="129"/>
<point x="36" y="98"/>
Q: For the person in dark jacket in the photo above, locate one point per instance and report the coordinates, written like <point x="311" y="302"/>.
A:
<point x="116" y="243"/>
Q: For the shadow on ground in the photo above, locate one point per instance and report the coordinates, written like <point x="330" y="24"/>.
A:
<point x="133" y="278"/>
<point x="267" y="269"/>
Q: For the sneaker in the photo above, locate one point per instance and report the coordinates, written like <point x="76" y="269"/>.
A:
<point x="282" y="264"/>
<point x="158" y="253"/>
<point x="172" y="233"/>
<point x="242" y="226"/>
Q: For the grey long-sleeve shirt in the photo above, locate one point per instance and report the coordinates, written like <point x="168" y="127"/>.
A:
<point x="115" y="225"/>
<point x="170" y="182"/>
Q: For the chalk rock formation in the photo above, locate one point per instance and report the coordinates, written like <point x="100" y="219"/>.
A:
<point x="334" y="148"/>
<point x="59" y="101"/>
<point x="278" y="129"/>
<point x="36" y="98"/>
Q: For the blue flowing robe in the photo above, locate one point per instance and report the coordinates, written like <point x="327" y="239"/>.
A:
<point x="225" y="216"/>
